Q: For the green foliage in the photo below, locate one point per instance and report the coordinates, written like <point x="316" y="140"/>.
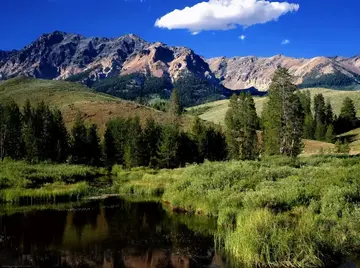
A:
<point x="209" y="140"/>
<point x="283" y="117"/>
<point x="309" y="126"/>
<point x="93" y="146"/>
<point x="135" y="87"/>
<point x="40" y="133"/>
<point x="151" y="140"/>
<point x="335" y="80"/>
<point x="241" y="124"/>
<point x="270" y="213"/>
<point x="309" y="131"/>
<point x="11" y="143"/>
<point x="342" y="147"/>
<point x="175" y="108"/>
<point x="134" y="146"/>
<point x="21" y="181"/>
<point x="330" y="134"/>
<point x="159" y="104"/>
<point x="347" y="119"/>
<point x="169" y="148"/>
<point x="194" y="90"/>
<point x="79" y="144"/>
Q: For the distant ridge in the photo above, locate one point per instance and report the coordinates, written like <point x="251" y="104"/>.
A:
<point x="60" y="55"/>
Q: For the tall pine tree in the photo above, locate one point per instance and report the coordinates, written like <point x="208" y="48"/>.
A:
<point x="241" y="124"/>
<point x="79" y="146"/>
<point x="320" y="117"/>
<point x="347" y="119"/>
<point x="283" y="117"/>
<point x="93" y="146"/>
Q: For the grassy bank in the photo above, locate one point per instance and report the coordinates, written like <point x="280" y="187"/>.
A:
<point x="274" y="212"/>
<point x="21" y="182"/>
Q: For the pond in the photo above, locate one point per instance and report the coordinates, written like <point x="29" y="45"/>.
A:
<point x="106" y="233"/>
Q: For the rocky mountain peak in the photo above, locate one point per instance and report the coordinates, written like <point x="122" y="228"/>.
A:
<point x="60" y="55"/>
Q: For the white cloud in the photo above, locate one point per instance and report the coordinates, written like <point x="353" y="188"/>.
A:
<point x="242" y="37"/>
<point x="224" y="14"/>
<point x="285" y="42"/>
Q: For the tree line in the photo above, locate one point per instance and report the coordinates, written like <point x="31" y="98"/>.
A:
<point x="38" y="133"/>
<point x="288" y="117"/>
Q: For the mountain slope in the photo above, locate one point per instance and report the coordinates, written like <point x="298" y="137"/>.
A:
<point x="246" y="72"/>
<point x="59" y="55"/>
<point x="72" y="98"/>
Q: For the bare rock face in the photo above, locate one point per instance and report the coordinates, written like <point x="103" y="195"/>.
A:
<point x="60" y="55"/>
<point x="247" y="72"/>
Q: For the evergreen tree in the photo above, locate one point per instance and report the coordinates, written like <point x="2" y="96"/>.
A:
<point x="309" y="131"/>
<point x="347" y="119"/>
<point x="115" y="140"/>
<point x="329" y="114"/>
<point x="187" y="150"/>
<point x="320" y="118"/>
<point x="305" y="99"/>
<point x="134" y="147"/>
<point x="169" y="147"/>
<point x="109" y="146"/>
<point x="283" y="117"/>
<point x="79" y="148"/>
<point x="241" y="123"/>
<point x="43" y="123"/>
<point x="199" y="135"/>
<point x="28" y="131"/>
<point x="93" y="146"/>
<point x="330" y="134"/>
<point x="14" y="142"/>
<point x="216" y="144"/>
<point x="309" y="128"/>
<point x="3" y="132"/>
<point x="175" y="108"/>
<point x="61" y="138"/>
<point x="151" y="139"/>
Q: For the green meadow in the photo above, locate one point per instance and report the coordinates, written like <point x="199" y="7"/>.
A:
<point x="275" y="212"/>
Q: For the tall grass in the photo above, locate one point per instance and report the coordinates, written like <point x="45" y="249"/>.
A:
<point x="274" y="212"/>
<point x="22" y="174"/>
<point x="21" y="182"/>
<point x="54" y="192"/>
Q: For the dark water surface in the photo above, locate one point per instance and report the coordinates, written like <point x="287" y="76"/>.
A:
<point x="107" y="233"/>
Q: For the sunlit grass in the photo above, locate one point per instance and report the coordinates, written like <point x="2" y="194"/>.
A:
<point x="276" y="212"/>
<point x="49" y="192"/>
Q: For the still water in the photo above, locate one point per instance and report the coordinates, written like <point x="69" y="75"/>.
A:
<point x="106" y="233"/>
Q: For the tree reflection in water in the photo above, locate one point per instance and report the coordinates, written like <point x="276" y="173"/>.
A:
<point x="109" y="233"/>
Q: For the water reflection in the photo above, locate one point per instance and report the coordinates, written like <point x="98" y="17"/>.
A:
<point x="109" y="233"/>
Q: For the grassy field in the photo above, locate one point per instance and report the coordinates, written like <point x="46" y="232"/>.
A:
<point x="216" y="111"/>
<point x="274" y="212"/>
<point x="25" y="183"/>
<point x="71" y="98"/>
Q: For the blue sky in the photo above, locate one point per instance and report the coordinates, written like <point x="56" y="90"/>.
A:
<point x="312" y="27"/>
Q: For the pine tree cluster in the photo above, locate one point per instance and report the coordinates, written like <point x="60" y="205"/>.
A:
<point x="38" y="134"/>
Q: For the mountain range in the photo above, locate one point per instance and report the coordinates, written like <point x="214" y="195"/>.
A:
<point x="60" y="55"/>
